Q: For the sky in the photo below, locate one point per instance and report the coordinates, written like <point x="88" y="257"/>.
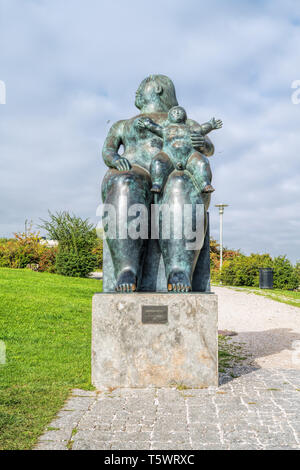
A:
<point x="71" y="70"/>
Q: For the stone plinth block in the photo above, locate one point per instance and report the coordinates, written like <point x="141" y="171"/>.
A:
<point x="154" y="339"/>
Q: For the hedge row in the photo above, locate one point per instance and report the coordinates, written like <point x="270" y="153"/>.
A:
<point x="80" y="252"/>
<point x="242" y="270"/>
<point x="28" y="250"/>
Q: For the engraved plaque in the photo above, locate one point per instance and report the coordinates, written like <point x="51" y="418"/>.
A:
<point x="155" y="314"/>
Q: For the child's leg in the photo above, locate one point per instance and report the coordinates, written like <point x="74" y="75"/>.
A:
<point x="161" y="167"/>
<point x="199" y="167"/>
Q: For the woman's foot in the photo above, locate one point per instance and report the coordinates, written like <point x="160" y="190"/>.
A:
<point x="179" y="281"/>
<point x="208" y="189"/>
<point x="126" y="281"/>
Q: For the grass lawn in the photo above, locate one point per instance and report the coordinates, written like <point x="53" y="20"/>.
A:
<point x="45" y="322"/>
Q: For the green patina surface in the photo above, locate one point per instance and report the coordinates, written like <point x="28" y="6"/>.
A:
<point x="132" y="174"/>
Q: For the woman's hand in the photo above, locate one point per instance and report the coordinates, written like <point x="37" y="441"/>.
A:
<point x="144" y="122"/>
<point x="121" y="164"/>
<point x="198" y="140"/>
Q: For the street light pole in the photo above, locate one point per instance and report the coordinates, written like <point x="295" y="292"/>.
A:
<point x="221" y="212"/>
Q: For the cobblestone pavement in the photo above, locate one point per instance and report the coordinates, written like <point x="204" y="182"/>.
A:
<point x="258" y="410"/>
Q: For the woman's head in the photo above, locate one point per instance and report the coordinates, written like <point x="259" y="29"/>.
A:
<point x="156" y="92"/>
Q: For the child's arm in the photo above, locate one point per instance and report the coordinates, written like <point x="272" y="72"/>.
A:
<point x="147" y="123"/>
<point x="211" y="125"/>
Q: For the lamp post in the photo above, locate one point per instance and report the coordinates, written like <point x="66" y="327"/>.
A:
<point x="221" y="212"/>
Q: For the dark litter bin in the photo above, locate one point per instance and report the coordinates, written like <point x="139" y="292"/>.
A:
<point x="266" y="278"/>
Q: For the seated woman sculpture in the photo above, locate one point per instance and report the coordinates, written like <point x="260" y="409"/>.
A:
<point x="128" y="182"/>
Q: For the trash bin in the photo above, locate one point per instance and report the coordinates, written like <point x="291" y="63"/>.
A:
<point x="266" y="278"/>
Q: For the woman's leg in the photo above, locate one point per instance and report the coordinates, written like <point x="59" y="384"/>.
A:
<point x="179" y="259"/>
<point x="122" y="189"/>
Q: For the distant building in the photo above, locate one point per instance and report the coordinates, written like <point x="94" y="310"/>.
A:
<point x="44" y="241"/>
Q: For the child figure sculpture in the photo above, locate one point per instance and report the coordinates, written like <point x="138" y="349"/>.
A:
<point x="178" y="152"/>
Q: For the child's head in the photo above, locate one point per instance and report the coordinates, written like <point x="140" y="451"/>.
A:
<point x="177" y="114"/>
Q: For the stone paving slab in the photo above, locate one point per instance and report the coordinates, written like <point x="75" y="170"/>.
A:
<point x="258" y="410"/>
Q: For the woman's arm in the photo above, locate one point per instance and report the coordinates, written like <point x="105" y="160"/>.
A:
<point x="111" y="146"/>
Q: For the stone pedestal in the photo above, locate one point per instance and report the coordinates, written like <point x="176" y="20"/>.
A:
<point x="154" y="339"/>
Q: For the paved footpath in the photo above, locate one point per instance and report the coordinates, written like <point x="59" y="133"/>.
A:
<point x="259" y="409"/>
<point x="269" y="330"/>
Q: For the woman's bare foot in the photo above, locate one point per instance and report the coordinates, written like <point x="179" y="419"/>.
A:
<point x="208" y="189"/>
<point x="126" y="281"/>
<point x="179" y="282"/>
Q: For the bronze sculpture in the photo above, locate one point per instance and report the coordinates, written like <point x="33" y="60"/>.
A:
<point x="178" y="152"/>
<point x="129" y="177"/>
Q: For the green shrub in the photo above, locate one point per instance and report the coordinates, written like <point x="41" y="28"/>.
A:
<point x="297" y="272"/>
<point x="98" y="252"/>
<point x="74" y="264"/>
<point x="227" y="275"/>
<point x="27" y="249"/>
<point x="244" y="271"/>
<point x="5" y="256"/>
<point x="215" y="258"/>
<point x="24" y="249"/>
<point x="77" y="240"/>
<point x="284" y="274"/>
<point x="47" y="260"/>
<point x="72" y="233"/>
